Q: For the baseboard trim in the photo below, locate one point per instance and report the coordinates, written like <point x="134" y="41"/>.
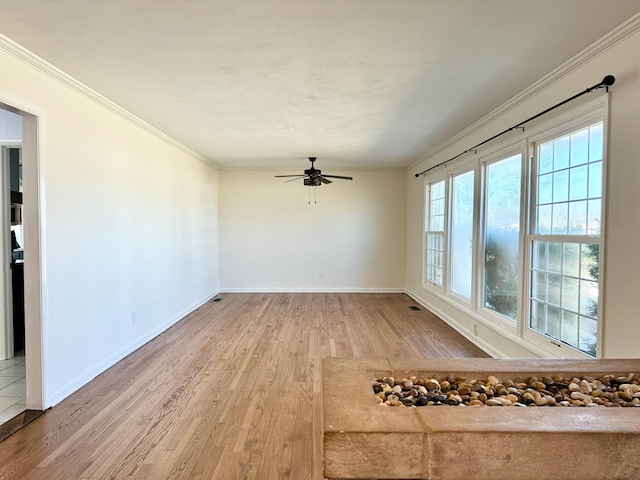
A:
<point x="487" y="347"/>
<point x="479" y="342"/>
<point x="312" y="290"/>
<point x="96" y="370"/>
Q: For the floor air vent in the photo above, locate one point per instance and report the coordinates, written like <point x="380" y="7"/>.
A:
<point x="413" y="307"/>
<point x="216" y="300"/>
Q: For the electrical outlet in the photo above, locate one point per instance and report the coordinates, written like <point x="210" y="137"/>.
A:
<point x="133" y="317"/>
<point x="321" y="276"/>
<point x="475" y="329"/>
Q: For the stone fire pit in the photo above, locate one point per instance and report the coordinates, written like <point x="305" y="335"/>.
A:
<point x="364" y="440"/>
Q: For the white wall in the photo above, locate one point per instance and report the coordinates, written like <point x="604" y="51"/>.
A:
<point x="129" y="223"/>
<point x="272" y="239"/>
<point x="617" y="55"/>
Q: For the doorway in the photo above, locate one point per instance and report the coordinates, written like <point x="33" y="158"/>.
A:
<point x="21" y="381"/>
<point x="12" y="328"/>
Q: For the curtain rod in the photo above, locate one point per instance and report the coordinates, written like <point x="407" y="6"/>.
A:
<point x="605" y="83"/>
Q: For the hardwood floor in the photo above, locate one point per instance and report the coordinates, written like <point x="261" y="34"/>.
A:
<point x="230" y="392"/>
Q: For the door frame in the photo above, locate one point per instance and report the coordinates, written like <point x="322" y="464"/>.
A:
<point x="33" y="231"/>
<point x="6" y="300"/>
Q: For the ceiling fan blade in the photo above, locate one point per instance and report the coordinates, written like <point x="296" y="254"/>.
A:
<point x="338" y="176"/>
<point x="282" y="176"/>
<point x="324" y="180"/>
<point x="294" y="179"/>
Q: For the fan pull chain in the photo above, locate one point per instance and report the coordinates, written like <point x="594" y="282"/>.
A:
<point x="315" y="195"/>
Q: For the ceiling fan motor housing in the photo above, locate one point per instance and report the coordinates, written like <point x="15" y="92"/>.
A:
<point x="313" y="177"/>
<point x="312" y="182"/>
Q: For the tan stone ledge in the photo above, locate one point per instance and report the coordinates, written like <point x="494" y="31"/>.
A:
<point x="363" y="440"/>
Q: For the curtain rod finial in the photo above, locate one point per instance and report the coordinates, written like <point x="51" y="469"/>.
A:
<point x="608" y="80"/>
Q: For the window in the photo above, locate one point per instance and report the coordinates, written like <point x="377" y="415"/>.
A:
<point x="565" y="242"/>
<point x="569" y="183"/>
<point x="502" y="230"/>
<point x="514" y="235"/>
<point x="564" y="292"/>
<point x="434" y="229"/>
<point x="462" y="234"/>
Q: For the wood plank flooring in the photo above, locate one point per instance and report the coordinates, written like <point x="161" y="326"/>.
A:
<point x="230" y="392"/>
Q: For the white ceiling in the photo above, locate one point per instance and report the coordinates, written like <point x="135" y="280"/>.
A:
<point x="267" y="83"/>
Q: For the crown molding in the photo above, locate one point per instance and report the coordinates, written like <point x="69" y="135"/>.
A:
<point x="611" y="39"/>
<point x="297" y="168"/>
<point x="31" y="59"/>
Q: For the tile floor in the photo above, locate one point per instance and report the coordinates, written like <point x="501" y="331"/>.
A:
<point x="12" y="388"/>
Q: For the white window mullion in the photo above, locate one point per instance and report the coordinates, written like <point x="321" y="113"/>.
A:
<point x="525" y="223"/>
<point x="480" y="239"/>
<point x="477" y="234"/>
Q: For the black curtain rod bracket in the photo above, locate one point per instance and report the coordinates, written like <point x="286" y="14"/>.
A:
<point x="605" y="83"/>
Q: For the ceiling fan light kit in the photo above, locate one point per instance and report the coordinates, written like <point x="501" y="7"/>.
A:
<point x="313" y="177"/>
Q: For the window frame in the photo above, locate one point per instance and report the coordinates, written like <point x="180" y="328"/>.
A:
<point x="524" y="144"/>
<point x="463" y="168"/>
<point x="499" y="154"/>
<point x="426" y="230"/>
<point x="568" y="126"/>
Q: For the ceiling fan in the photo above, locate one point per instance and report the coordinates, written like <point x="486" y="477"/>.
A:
<point x="313" y="177"/>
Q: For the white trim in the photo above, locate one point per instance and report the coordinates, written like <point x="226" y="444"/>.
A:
<point x="547" y="342"/>
<point x="464" y="168"/>
<point x="311" y="290"/>
<point x="535" y="349"/>
<point x="6" y="299"/>
<point x="430" y="180"/>
<point x="602" y="272"/>
<point x="582" y="115"/>
<point x="31" y="59"/>
<point x="35" y="291"/>
<point x="524" y="273"/>
<point x="95" y="370"/>
<point x="595" y="110"/>
<point x="611" y="39"/>
<point x="295" y="168"/>
<point x="479" y="342"/>
<point x="499" y="154"/>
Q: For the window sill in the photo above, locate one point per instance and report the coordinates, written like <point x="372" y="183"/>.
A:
<point x="536" y="346"/>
